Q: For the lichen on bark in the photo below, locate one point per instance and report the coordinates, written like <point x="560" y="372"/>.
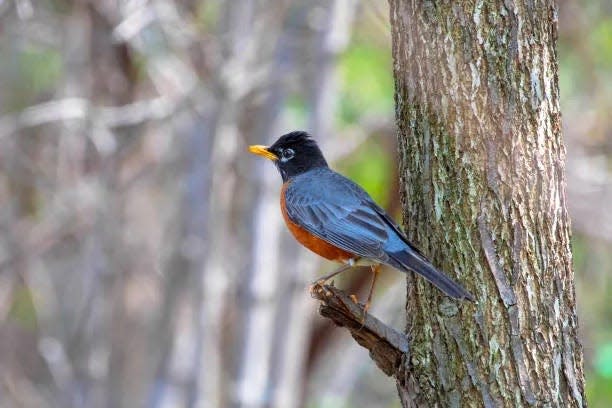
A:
<point x="482" y="178"/>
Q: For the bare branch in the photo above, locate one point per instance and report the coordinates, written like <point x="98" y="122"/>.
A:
<point x="387" y="346"/>
<point x="81" y="109"/>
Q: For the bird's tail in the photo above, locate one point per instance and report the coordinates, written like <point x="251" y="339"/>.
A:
<point x="414" y="261"/>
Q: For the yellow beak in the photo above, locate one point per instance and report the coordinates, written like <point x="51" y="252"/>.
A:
<point x="261" y="150"/>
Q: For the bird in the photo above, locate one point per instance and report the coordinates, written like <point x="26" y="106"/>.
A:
<point x="337" y="219"/>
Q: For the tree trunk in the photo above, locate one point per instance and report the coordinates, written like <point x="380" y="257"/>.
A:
<point x="482" y="170"/>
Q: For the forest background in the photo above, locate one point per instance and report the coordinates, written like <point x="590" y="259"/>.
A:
<point x="143" y="258"/>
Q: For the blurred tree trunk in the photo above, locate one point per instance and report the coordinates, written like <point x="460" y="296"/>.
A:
<point x="482" y="167"/>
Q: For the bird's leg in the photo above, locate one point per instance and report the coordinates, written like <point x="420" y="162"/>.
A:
<point x="341" y="269"/>
<point x="375" y="269"/>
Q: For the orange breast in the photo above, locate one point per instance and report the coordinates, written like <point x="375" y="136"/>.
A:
<point x="312" y="242"/>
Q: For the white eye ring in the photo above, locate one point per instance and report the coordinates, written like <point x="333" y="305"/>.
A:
<point x="287" y="155"/>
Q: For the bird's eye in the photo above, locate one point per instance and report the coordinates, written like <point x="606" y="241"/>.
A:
<point x="287" y="154"/>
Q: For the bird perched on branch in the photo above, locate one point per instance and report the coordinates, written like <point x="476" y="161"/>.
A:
<point x="335" y="218"/>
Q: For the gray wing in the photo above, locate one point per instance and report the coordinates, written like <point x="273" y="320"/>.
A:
<point x="340" y="213"/>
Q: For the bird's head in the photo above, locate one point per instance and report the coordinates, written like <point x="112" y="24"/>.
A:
<point x="293" y="154"/>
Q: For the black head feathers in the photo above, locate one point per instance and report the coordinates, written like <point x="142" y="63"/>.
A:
<point x="293" y="153"/>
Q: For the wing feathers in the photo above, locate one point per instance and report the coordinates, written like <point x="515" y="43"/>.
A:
<point x="352" y="228"/>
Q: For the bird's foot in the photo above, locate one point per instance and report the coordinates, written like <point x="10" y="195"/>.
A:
<point x="365" y="309"/>
<point x="364" y="315"/>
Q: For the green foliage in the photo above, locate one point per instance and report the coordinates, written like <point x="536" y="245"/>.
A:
<point x="208" y="15"/>
<point x="599" y="382"/>
<point x="570" y="78"/>
<point x="370" y="167"/>
<point x="603" y="361"/>
<point x="34" y="71"/>
<point x="585" y="61"/>
<point x="590" y="262"/>
<point x="40" y="67"/>
<point x="22" y="308"/>
<point x="601" y="42"/>
<point x="367" y="86"/>
<point x="598" y="390"/>
<point x="579" y="252"/>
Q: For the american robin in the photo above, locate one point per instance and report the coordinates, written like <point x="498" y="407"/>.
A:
<point x="335" y="218"/>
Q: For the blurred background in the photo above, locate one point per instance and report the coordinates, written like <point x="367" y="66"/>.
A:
<point x="143" y="259"/>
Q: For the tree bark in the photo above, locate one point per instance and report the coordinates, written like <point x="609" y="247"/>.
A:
<point x="483" y="187"/>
